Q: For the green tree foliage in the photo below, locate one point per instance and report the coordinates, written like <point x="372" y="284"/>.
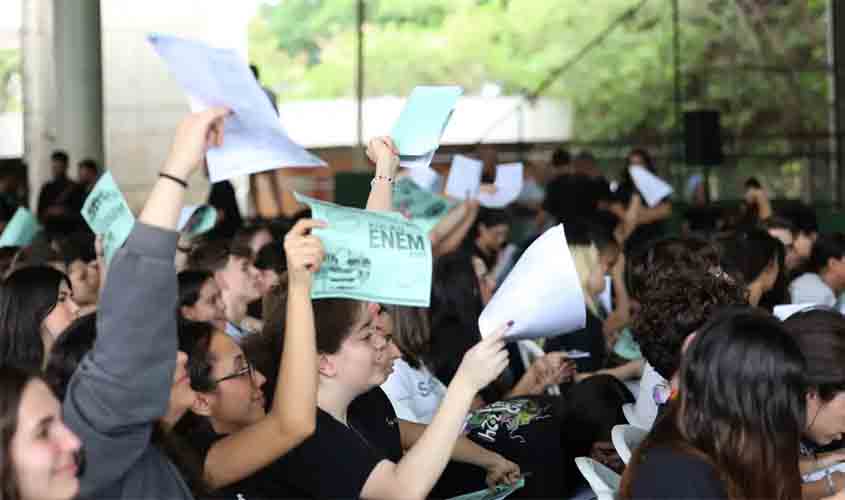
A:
<point x="10" y="72"/>
<point x="761" y="62"/>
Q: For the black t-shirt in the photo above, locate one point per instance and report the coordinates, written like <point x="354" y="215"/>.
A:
<point x="334" y="462"/>
<point x="373" y="415"/>
<point x="588" y="339"/>
<point x="667" y="473"/>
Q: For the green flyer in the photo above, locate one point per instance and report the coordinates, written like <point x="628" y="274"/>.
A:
<point x="371" y="256"/>
<point x="500" y="492"/>
<point x="425" y="208"/>
<point x="106" y="212"/>
<point x="21" y="229"/>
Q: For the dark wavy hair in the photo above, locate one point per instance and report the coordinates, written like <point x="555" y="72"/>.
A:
<point x="411" y="332"/>
<point x="27" y="296"/>
<point x="12" y="384"/>
<point x="741" y="407"/>
<point x="746" y="254"/>
<point x="679" y="284"/>
<point x="820" y="334"/>
<point x="190" y="284"/>
<point x="826" y="247"/>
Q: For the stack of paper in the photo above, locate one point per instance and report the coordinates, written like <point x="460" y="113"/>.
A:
<point x="195" y="220"/>
<point x="508" y="186"/>
<point x="424" y="208"/>
<point x="254" y="139"/>
<point x="464" y="178"/>
<point x="422" y="122"/>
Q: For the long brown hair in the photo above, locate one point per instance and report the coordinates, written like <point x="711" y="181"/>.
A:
<point x="740" y="407"/>
<point x="12" y="384"/>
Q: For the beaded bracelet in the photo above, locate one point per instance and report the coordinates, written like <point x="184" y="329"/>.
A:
<point x="381" y="178"/>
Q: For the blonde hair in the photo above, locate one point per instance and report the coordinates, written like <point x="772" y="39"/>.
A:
<point x="586" y="259"/>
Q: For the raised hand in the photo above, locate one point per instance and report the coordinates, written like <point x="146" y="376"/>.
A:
<point x="485" y="361"/>
<point x="304" y="252"/>
<point x="502" y="471"/>
<point x="195" y="134"/>
<point x="384" y="154"/>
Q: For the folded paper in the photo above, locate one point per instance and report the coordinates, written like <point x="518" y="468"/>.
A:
<point x="651" y="187"/>
<point x="195" y="220"/>
<point x="464" y="178"/>
<point x="107" y="214"/>
<point x="371" y="256"/>
<point x="422" y="122"/>
<point x="254" y="138"/>
<point x="542" y="294"/>
<point x="508" y="186"/>
<point x="20" y="230"/>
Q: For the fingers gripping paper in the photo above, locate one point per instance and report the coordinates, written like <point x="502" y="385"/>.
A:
<point x="371" y="256"/>
<point x="541" y="295"/>
<point x="653" y="188"/>
<point x="20" y="230"/>
<point x="254" y="139"/>
<point x="106" y="212"/>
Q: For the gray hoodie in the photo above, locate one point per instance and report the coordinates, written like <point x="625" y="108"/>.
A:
<point x="122" y="386"/>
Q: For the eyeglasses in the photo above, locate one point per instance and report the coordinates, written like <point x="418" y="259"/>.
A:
<point x="247" y="369"/>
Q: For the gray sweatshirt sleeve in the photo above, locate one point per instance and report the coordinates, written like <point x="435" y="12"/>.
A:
<point x="123" y="385"/>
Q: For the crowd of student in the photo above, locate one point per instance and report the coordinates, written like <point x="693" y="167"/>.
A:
<point x="201" y="368"/>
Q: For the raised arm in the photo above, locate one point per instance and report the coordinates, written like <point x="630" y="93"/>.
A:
<point x="384" y="154"/>
<point x="451" y="238"/>
<point x="414" y="476"/>
<point x="293" y="415"/>
<point x="122" y="387"/>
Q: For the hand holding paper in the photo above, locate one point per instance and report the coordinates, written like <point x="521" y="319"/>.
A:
<point x="508" y="186"/>
<point x="464" y="178"/>
<point x="498" y="493"/>
<point x="371" y="256"/>
<point x="107" y="214"/>
<point x="422" y="122"/>
<point x="304" y="252"/>
<point x="653" y="188"/>
<point x="542" y="294"/>
<point x="485" y="361"/>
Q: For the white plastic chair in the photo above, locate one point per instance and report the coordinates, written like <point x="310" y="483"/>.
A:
<point x="626" y="438"/>
<point x="603" y="481"/>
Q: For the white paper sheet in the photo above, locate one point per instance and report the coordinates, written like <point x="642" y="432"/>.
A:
<point x="254" y="139"/>
<point x="784" y="311"/>
<point x="425" y="177"/>
<point x="464" y="177"/>
<point x="508" y="186"/>
<point x="653" y="188"/>
<point x="541" y="295"/>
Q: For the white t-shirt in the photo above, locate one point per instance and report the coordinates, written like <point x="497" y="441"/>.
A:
<point x="416" y="394"/>
<point x="809" y="288"/>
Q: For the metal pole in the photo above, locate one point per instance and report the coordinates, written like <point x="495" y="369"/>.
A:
<point x="359" y="84"/>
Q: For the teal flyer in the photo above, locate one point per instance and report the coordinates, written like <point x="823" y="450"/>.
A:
<point x="424" y="119"/>
<point x="425" y="208"/>
<point x="21" y="229"/>
<point x="498" y="493"/>
<point x="371" y="256"/>
<point x="106" y="212"/>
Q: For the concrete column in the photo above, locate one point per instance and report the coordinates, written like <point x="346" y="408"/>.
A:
<point x="78" y="77"/>
<point x="38" y="91"/>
